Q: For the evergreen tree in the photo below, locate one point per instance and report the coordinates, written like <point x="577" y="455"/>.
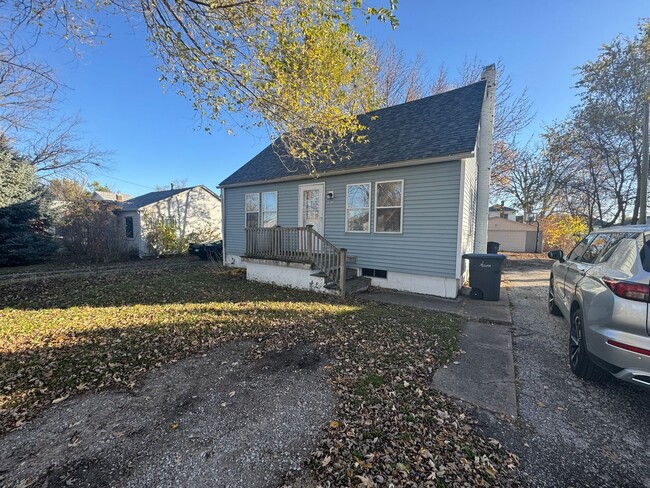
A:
<point x="22" y="212"/>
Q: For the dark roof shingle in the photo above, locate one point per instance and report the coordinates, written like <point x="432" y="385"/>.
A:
<point x="436" y="126"/>
<point x="149" y="198"/>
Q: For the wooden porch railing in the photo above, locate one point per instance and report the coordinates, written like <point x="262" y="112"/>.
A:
<point x="298" y="244"/>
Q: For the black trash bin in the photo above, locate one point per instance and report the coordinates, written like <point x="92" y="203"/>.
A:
<point x="493" y="247"/>
<point x="485" y="275"/>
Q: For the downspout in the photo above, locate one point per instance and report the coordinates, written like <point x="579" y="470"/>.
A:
<point x="485" y="152"/>
<point x="222" y="194"/>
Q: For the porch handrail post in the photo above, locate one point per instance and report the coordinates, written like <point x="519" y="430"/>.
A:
<point x="343" y="257"/>
<point x="309" y="228"/>
<point x="274" y="242"/>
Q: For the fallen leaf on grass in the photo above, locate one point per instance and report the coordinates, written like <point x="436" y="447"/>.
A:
<point x="59" y="400"/>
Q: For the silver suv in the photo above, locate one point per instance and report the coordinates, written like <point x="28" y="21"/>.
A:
<point x="603" y="288"/>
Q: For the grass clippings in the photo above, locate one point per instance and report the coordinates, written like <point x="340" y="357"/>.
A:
<point x="64" y="336"/>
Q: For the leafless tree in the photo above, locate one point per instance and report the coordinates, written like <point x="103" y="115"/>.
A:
<point x="30" y="92"/>
<point x="397" y="78"/>
<point x="60" y="151"/>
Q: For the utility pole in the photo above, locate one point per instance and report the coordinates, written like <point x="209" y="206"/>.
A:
<point x="643" y="183"/>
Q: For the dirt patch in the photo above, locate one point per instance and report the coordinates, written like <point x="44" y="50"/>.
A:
<point x="215" y="420"/>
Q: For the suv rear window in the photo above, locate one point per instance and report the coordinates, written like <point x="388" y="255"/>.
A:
<point x="596" y="248"/>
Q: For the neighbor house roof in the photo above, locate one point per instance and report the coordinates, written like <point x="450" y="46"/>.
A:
<point x="498" y="208"/>
<point x="110" y="196"/>
<point x="436" y="126"/>
<point x="156" y="196"/>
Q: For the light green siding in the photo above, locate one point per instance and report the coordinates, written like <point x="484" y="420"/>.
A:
<point x="429" y="238"/>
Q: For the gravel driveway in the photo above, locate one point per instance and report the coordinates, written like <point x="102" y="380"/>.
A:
<point x="570" y="432"/>
<point x="216" y="421"/>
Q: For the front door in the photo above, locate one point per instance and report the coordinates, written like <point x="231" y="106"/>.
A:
<point x="312" y="206"/>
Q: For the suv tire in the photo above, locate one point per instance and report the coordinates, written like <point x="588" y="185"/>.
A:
<point x="552" y="307"/>
<point x="581" y="365"/>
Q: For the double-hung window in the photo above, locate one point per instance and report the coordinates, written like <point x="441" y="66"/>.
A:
<point x="389" y="201"/>
<point x="261" y="209"/>
<point x="252" y="205"/>
<point x="269" y="209"/>
<point x="357" y="208"/>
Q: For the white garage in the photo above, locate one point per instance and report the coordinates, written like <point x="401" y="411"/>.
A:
<point x="515" y="236"/>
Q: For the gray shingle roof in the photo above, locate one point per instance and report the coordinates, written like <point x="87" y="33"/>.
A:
<point x="435" y="126"/>
<point x="149" y="198"/>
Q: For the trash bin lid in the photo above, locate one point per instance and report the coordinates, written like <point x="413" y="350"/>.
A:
<point x="478" y="255"/>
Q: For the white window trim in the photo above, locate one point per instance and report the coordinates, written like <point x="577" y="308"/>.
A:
<point x="369" y="185"/>
<point x="259" y="206"/>
<point x="401" y="206"/>
<point x="261" y="221"/>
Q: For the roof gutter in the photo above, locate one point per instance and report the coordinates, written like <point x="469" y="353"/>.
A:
<point x="363" y="169"/>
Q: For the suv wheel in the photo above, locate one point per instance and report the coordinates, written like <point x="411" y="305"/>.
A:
<point x="579" y="360"/>
<point x="552" y="307"/>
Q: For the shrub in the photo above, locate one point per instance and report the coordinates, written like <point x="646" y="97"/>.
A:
<point x="164" y="237"/>
<point x="90" y="232"/>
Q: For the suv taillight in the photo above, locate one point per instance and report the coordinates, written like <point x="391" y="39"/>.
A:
<point x="632" y="291"/>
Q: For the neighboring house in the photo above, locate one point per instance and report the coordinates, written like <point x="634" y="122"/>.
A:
<point x="108" y="196"/>
<point x="194" y="211"/>
<point x="404" y="206"/>
<point x="503" y="212"/>
<point x="515" y="236"/>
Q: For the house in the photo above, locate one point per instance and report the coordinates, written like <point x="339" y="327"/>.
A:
<point x="399" y="213"/>
<point x="503" y="212"/>
<point x="515" y="236"/>
<point x="109" y="196"/>
<point x="195" y="213"/>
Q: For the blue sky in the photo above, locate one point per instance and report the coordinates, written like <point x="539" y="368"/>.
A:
<point x="155" y="137"/>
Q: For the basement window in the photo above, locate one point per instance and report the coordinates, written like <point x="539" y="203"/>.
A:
<point x="374" y="273"/>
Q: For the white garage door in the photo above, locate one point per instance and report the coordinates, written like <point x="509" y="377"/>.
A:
<point x="510" y="240"/>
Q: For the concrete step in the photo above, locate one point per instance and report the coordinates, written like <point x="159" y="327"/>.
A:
<point x="357" y="285"/>
<point x="350" y="273"/>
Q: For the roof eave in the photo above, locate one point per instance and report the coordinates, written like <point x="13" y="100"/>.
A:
<point x="362" y="169"/>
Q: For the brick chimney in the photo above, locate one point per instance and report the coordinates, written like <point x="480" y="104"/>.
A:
<point x="484" y="155"/>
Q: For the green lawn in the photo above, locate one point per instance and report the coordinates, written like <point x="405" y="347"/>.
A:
<point x="66" y="336"/>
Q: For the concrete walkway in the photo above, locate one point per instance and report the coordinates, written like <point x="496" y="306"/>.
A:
<point x="485" y="374"/>
<point x="478" y="310"/>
